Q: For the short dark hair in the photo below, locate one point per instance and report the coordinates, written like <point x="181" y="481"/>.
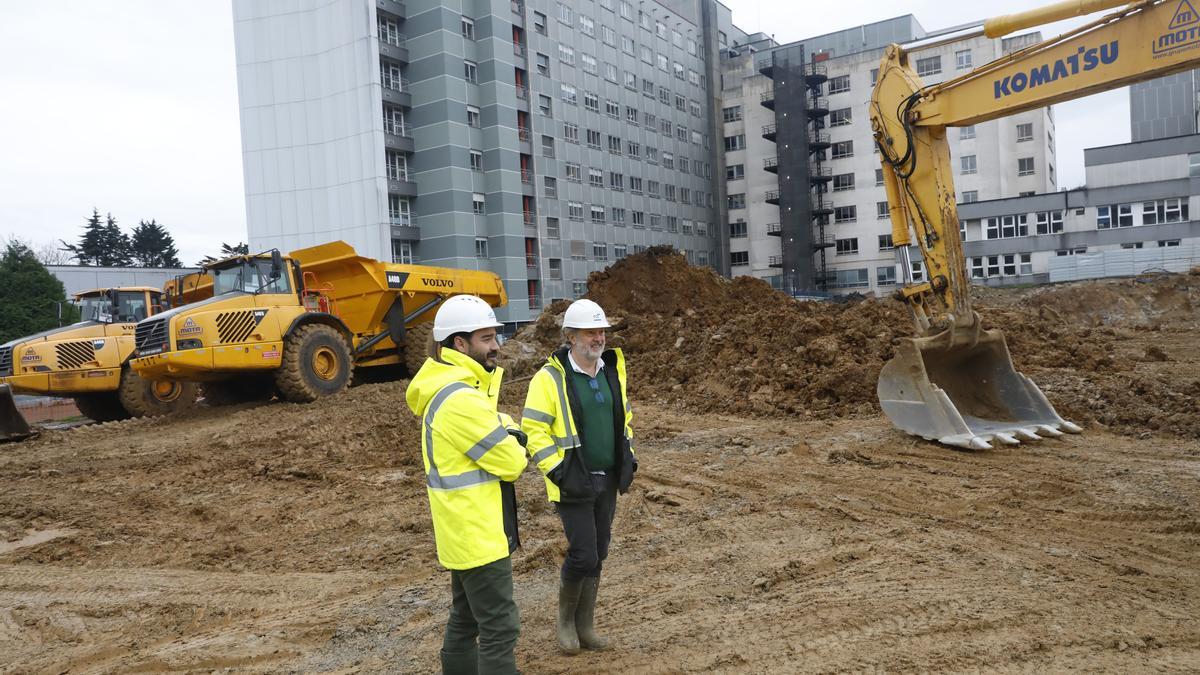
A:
<point x="448" y="343"/>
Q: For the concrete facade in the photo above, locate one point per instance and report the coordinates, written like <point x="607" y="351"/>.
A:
<point x="1164" y="107"/>
<point x="848" y="250"/>
<point x="468" y="134"/>
<point x="76" y="278"/>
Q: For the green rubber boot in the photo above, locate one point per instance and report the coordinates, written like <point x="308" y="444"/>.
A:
<point x="464" y="662"/>
<point x="568" y="604"/>
<point x="585" y="616"/>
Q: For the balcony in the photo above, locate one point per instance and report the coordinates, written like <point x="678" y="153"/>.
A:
<point x="396" y="136"/>
<point x="774" y="229"/>
<point x="522" y="92"/>
<point x="535" y="304"/>
<point x="530" y="219"/>
<point x="395" y="91"/>
<point x="526" y="176"/>
<point x="771" y="164"/>
<point x="396" y="9"/>
<point x="771" y="197"/>
<point x="817" y="108"/>
<point x="531" y="262"/>
<point x="768" y="132"/>
<point x="523" y="133"/>
<point x="814" y="74"/>
<point x="821" y="207"/>
<point x="394" y="48"/>
<point x="766" y="66"/>
<point x="819" y="174"/>
<point x="775" y="261"/>
<point x="767" y="99"/>
<point x="818" y="140"/>
<point x="821" y="241"/>
<point x="404" y="188"/>
<point x="518" y="7"/>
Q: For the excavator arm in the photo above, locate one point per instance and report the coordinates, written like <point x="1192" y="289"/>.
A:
<point x="955" y="382"/>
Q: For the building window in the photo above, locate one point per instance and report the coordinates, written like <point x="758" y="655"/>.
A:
<point x="885" y="242"/>
<point x="568" y="94"/>
<point x="918" y="271"/>
<point x="600" y="251"/>
<point x="739" y="258"/>
<point x="555" y="266"/>
<point x="736" y="201"/>
<point x="635" y="185"/>
<point x="1078" y="250"/>
<point x="616" y="181"/>
<point x="631" y="115"/>
<point x="735" y="171"/>
<point x="575" y="211"/>
<point x="966" y="133"/>
<point x="397" y="166"/>
<point x="570" y="132"/>
<point x="591" y="101"/>
<point x="856" y="278"/>
<point x="587" y="26"/>
<point x="839" y="84"/>
<point x="481" y="247"/>
<point x="843" y="181"/>
<point x="969" y="196"/>
<point x="878" y="177"/>
<point x="737" y="142"/>
<point x="551" y="185"/>
<point x="589" y="63"/>
<point x="399" y="210"/>
<point x="472" y="116"/>
<point x="1163" y="243"/>
<point x="612" y="108"/>
<point x="618" y="216"/>
<point x="614" y="145"/>
<point x="668" y="160"/>
<point x="468" y="28"/>
<point x="608" y="36"/>
<point x="478" y="200"/>
<point x="574" y="172"/>
<point x="1024" y="166"/>
<point x="543" y="64"/>
<point x="476" y="160"/>
<point x="593" y="139"/>
<point x="547" y="146"/>
<point x="738" y="230"/>
<point x="968" y="164"/>
<point x="1049" y="222"/>
<point x="874" y="76"/>
<point x="846" y="246"/>
<point x="885" y="276"/>
<point x="842" y="149"/>
<point x="596" y="178"/>
<point x="881" y="210"/>
<point x="470" y="71"/>
<point x="930" y="65"/>
<point x="631" y="80"/>
<point x="564" y="13"/>
<point x="639" y="220"/>
<point x="597" y="214"/>
<point x="845" y="214"/>
<point x="402" y="252"/>
<point x="1025" y="132"/>
<point x="544" y="106"/>
<point x="1104" y="216"/>
<point x="610" y="72"/>
<point x="1194" y="164"/>
<point x="840" y="118"/>
<point x="734" y="113"/>
<point x="1006" y="227"/>
<point x="1172" y="210"/>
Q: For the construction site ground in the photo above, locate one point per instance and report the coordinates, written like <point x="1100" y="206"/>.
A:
<point x="770" y="528"/>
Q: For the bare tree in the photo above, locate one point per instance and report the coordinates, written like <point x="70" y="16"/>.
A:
<point x="51" y="253"/>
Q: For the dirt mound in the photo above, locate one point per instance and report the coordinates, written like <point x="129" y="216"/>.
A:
<point x="709" y="344"/>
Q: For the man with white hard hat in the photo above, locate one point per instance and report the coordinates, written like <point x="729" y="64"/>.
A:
<point x="578" y="421"/>
<point x="472" y="456"/>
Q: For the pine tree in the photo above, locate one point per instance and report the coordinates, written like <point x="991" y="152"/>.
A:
<point x="116" y="250"/>
<point x="227" y="251"/>
<point x="29" y="294"/>
<point x="152" y="246"/>
<point x="90" y="248"/>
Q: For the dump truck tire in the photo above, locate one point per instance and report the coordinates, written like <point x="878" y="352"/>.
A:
<point x="104" y="407"/>
<point x="316" y="363"/>
<point x="416" y="343"/>
<point x="238" y="390"/>
<point x="142" y="398"/>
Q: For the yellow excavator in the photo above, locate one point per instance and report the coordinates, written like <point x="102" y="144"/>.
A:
<point x="955" y="382"/>
<point x="88" y="360"/>
<point x="298" y="325"/>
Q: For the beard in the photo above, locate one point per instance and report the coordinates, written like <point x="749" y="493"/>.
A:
<point x="485" y="358"/>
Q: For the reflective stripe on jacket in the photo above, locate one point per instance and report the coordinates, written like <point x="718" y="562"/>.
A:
<point x="549" y="421"/>
<point x="467" y="453"/>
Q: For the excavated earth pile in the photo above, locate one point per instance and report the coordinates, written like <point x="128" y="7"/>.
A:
<point x="777" y="522"/>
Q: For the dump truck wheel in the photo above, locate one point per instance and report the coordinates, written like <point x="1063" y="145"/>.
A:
<point x="316" y="363"/>
<point x="238" y="390"/>
<point x="104" y="407"/>
<point x="416" y="343"/>
<point x="143" y="398"/>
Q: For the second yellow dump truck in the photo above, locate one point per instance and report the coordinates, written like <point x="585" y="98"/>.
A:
<point x="298" y="325"/>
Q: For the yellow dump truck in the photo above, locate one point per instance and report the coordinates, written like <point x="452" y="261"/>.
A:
<point x="88" y="360"/>
<point x="298" y="325"/>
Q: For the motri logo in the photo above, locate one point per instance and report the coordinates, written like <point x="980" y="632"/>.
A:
<point x="1183" y="31"/>
<point x="440" y="283"/>
<point x="1087" y="58"/>
<point x="30" y="356"/>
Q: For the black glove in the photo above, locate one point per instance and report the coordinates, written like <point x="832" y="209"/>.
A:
<point x="557" y="473"/>
<point x="520" y="436"/>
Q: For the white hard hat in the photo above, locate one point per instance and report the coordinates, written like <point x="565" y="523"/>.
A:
<point x="585" y="314"/>
<point x="463" y="314"/>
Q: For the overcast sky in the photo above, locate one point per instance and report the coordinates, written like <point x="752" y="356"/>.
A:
<point x="131" y="107"/>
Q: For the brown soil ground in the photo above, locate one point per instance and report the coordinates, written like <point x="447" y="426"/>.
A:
<point x="778" y="522"/>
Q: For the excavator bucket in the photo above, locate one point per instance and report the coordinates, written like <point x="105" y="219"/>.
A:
<point x="13" y="426"/>
<point x="962" y="390"/>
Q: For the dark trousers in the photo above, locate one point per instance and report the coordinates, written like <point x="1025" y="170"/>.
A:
<point x="588" y="526"/>
<point x="483" y="608"/>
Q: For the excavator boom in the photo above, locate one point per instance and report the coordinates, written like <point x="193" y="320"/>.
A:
<point x="955" y="382"/>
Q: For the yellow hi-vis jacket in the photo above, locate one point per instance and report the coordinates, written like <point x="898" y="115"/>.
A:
<point x="554" y="441"/>
<point x="467" y="452"/>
